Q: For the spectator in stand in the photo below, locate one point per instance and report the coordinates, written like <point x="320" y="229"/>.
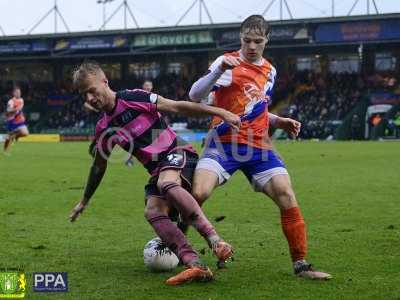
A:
<point x="319" y="100"/>
<point x="147" y="85"/>
<point x="355" y="127"/>
<point x="376" y="120"/>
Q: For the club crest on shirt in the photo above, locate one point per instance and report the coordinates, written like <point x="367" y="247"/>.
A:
<point x="252" y="92"/>
<point x="175" y="159"/>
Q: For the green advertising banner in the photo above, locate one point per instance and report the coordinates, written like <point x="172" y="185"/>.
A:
<point x="174" y="38"/>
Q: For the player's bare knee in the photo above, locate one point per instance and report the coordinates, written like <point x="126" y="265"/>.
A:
<point x="285" y="198"/>
<point x="200" y="195"/>
<point x="168" y="176"/>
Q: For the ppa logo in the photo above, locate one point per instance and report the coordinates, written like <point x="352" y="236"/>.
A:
<point x="50" y="282"/>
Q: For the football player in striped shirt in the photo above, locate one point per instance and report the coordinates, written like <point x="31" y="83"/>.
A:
<point x="16" y="125"/>
<point x="131" y="120"/>
<point x="242" y="83"/>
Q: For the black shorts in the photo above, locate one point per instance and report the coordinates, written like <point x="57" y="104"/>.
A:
<point x="182" y="160"/>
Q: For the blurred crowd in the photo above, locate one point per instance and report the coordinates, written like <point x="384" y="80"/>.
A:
<point x="318" y="101"/>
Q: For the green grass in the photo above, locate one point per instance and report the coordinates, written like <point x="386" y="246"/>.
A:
<point x="349" y="194"/>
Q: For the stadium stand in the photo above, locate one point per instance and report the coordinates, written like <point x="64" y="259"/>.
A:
<point x="319" y="102"/>
<point x="332" y="76"/>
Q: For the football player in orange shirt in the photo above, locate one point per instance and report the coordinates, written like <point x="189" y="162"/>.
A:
<point x="16" y="125"/>
<point x="242" y="82"/>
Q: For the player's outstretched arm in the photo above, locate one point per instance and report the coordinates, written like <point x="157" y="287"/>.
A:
<point x="197" y="109"/>
<point x="96" y="174"/>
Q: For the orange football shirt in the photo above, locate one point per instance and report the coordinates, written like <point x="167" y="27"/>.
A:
<point x="237" y="91"/>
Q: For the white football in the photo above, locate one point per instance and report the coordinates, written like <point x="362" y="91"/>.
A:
<point x="158" y="257"/>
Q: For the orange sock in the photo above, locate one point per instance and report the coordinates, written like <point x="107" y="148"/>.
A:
<point x="294" y="228"/>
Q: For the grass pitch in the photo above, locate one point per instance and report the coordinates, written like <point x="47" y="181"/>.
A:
<point x="349" y="193"/>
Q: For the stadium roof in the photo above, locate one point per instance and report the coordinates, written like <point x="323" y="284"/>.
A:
<point x="20" y="17"/>
<point x="321" y="33"/>
<point x="200" y="27"/>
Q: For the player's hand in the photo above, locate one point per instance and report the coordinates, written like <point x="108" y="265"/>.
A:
<point x="76" y="211"/>
<point x="232" y="120"/>
<point x="292" y="127"/>
<point x="229" y="62"/>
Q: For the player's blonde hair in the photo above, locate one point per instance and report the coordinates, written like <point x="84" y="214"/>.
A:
<point x="81" y="73"/>
<point x="256" y="23"/>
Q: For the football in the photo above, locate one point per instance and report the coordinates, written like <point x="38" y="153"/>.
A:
<point x="158" y="257"/>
